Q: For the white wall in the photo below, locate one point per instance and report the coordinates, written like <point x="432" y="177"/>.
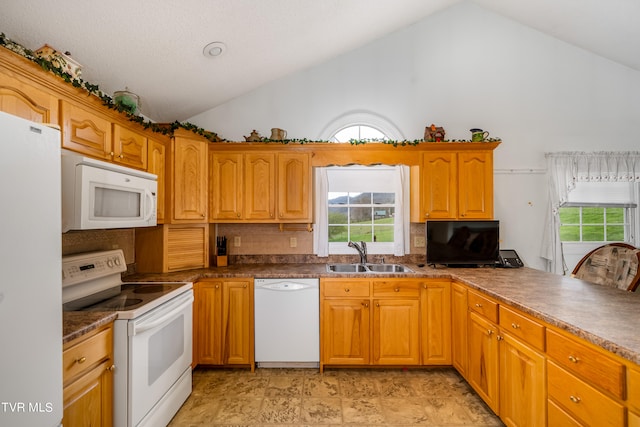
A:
<point x="461" y="68"/>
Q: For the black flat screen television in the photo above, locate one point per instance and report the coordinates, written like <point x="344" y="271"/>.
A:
<point x="463" y="243"/>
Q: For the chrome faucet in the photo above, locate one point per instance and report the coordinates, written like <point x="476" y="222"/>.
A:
<point x="362" y="250"/>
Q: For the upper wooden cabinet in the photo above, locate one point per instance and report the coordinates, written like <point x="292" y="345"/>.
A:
<point x="294" y="187"/>
<point x="129" y="147"/>
<point x="225" y="185"/>
<point x="88" y="132"/>
<point x="85" y="131"/>
<point x="26" y="101"/>
<point x="456" y="185"/>
<point x="157" y="164"/>
<point x="189" y="180"/>
<point x="259" y="186"/>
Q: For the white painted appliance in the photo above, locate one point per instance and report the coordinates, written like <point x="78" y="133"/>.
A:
<point x="30" y="253"/>
<point x="99" y="195"/>
<point x="287" y="322"/>
<point x="152" y="335"/>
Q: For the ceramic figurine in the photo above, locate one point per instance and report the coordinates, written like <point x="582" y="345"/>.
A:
<point x="433" y="133"/>
<point x="253" y="137"/>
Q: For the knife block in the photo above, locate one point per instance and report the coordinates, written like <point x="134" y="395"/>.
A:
<point x="220" y="260"/>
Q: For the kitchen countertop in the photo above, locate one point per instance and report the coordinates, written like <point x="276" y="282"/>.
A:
<point x="78" y="323"/>
<point x="604" y="316"/>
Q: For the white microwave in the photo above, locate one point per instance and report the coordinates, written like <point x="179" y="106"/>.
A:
<point x="98" y="195"/>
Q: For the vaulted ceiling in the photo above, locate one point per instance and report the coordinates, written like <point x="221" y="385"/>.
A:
<point x="155" y="48"/>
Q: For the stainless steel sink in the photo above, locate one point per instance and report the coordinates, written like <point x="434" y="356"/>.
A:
<point x="346" y="268"/>
<point x="368" y="268"/>
<point x="388" y="268"/>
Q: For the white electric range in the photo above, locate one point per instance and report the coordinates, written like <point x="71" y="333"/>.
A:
<point x="152" y="334"/>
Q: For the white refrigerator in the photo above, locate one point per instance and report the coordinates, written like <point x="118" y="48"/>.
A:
<point x="30" y="274"/>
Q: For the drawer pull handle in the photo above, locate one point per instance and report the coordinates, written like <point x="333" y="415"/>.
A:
<point x="499" y="338"/>
<point x="573" y="359"/>
<point x="81" y="360"/>
<point x="396" y="289"/>
<point x="365" y="304"/>
<point x="346" y="289"/>
<point x="111" y="368"/>
<point x="489" y="332"/>
<point x="515" y="326"/>
<point x="575" y="399"/>
<point x="478" y="305"/>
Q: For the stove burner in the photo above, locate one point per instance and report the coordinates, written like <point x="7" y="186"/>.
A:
<point x="149" y="289"/>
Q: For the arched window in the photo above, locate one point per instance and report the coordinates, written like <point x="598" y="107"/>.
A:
<point x="358" y="132"/>
<point x="362" y="203"/>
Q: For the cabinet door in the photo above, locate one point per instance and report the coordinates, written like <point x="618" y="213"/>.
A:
<point x="156" y="164"/>
<point x="85" y="132"/>
<point x="459" y="328"/>
<point x="522" y="379"/>
<point x="237" y="322"/>
<point x="88" y="401"/>
<point x="259" y="186"/>
<point x="483" y="362"/>
<point x="294" y="187"/>
<point x="439" y="185"/>
<point x="208" y="323"/>
<point x="190" y="180"/>
<point x="226" y="181"/>
<point x="345" y="331"/>
<point x="475" y="184"/>
<point x="129" y="147"/>
<point x="396" y="334"/>
<point x="435" y="323"/>
<point x="23" y="100"/>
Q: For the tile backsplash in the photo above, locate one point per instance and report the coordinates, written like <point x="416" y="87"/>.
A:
<point x="74" y="242"/>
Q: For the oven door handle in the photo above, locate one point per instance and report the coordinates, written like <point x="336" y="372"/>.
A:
<point x="157" y="320"/>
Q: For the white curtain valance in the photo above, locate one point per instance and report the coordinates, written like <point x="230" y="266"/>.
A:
<point x="568" y="167"/>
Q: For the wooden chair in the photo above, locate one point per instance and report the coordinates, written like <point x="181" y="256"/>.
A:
<point x="614" y="264"/>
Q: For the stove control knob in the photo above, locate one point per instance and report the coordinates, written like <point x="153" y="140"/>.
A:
<point x="116" y="261"/>
<point x="110" y="263"/>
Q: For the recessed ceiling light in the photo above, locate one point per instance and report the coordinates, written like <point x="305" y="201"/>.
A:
<point x="214" y="49"/>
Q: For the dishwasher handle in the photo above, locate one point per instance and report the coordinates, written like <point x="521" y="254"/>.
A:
<point x="285" y="286"/>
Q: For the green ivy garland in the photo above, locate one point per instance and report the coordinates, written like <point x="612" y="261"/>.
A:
<point x="164" y="129"/>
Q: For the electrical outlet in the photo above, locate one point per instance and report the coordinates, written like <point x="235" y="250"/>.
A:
<point x="293" y="242"/>
<point x="236" y="241"/>
<point x="419" y="242"/>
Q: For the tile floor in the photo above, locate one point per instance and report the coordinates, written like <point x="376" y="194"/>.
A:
<point x="354" y="397"/>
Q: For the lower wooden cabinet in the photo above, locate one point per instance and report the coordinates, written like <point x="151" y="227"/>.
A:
<point x="522" y="379"/>
<point x="88" y="379"/>
<point x="505" y="361"/>
<point x="384" y="322"/>
<point x="459" y="328"/>
<point x="223" y="322"/>
<point x="435" y="322"/>
<point x="483" y="364"/>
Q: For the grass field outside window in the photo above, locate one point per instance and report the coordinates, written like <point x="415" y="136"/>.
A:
<point x="593" y="224"/>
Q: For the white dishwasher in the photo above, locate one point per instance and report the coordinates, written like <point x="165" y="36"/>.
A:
<point x="287" y="323"/>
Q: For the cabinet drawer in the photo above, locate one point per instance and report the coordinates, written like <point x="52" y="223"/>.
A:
<point x="396" y="288"/>
<point x="86" y="354"/>
<point x="483" y="305"/>
<point x="346" y="288"/>
<point x="558" y="417"/>
<point x="522" y="327"/>
<point x="581" y="400"/>
<point x="633" y="387"/>
<point x="592" y="365"/>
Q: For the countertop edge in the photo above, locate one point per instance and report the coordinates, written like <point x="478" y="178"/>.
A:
<point x="78" y="323"/>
